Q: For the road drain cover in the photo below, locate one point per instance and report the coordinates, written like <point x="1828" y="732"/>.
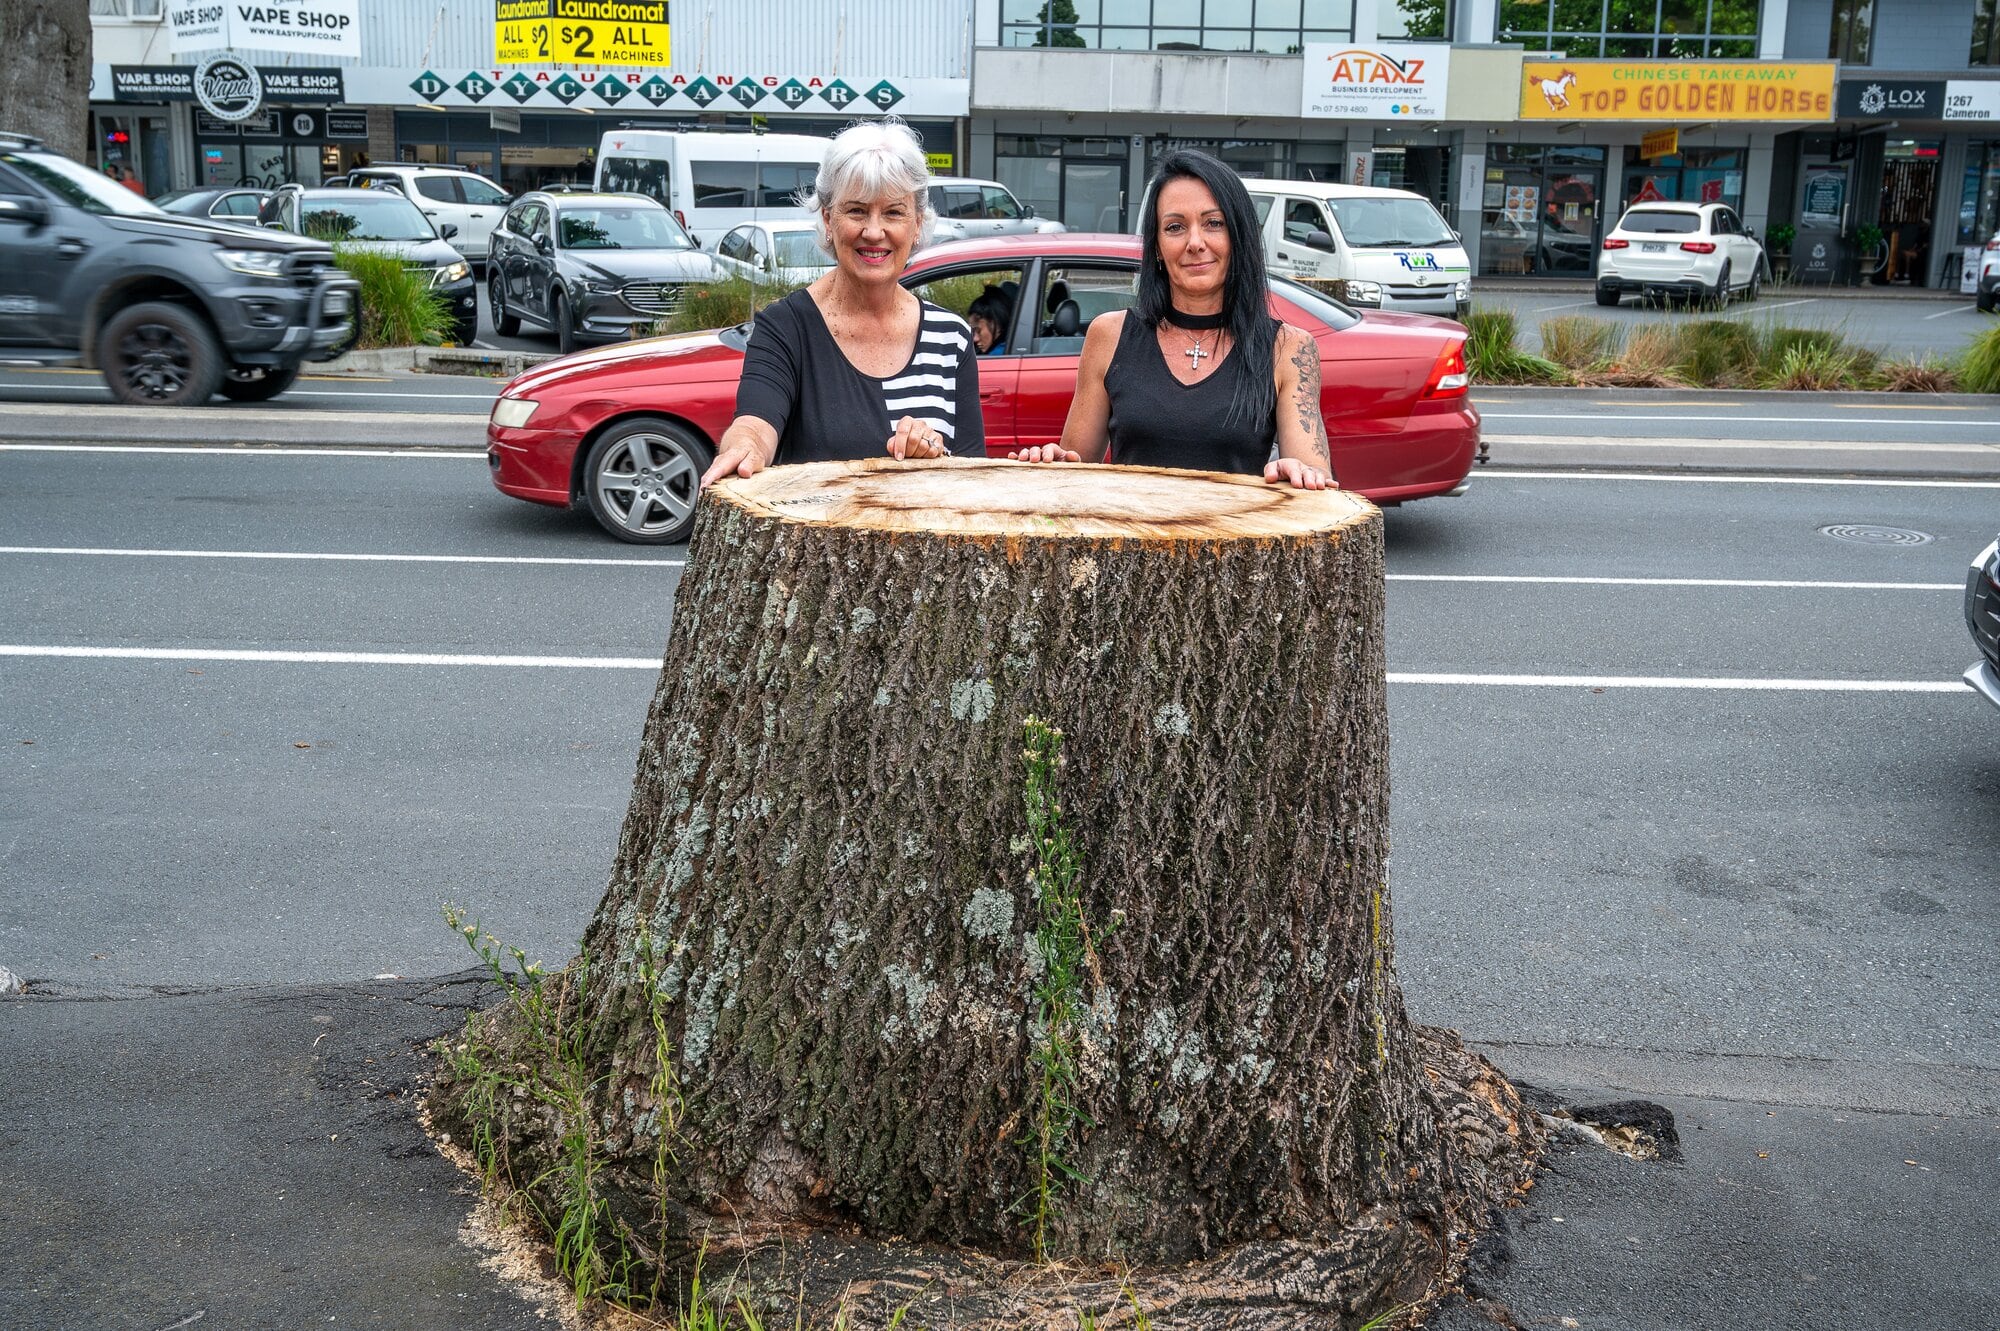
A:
<point x="1867" y="533"/>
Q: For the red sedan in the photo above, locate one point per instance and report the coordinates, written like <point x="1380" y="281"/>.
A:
<point x="629" y="429"/>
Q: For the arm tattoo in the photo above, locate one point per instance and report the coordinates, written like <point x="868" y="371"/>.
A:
<point x="1306" y="361"/>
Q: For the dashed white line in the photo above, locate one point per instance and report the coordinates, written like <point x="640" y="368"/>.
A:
<point x="1958" y="309"/>
<point x="337" y="556"/>
<point x="249" y="451"/>
<point x="1651" y="682"/>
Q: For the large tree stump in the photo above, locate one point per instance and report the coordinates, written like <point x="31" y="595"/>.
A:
<point x="825" y="851"/>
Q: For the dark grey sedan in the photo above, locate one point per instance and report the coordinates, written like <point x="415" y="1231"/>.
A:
<point x="1982" y="616"/>
<point x="590" y="267"/>
<point x="233" y="204"/>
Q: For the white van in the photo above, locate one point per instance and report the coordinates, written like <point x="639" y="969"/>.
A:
<point x="1389" y="246"/>
<point x="712" y="181"/>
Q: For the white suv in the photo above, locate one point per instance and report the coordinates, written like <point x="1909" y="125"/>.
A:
<point x="446" y="194"/>
<point x="966" y="209"/>
<point x="1698" y="250"/>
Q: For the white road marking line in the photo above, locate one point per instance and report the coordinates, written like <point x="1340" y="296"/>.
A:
<point x="653" y="663"/>
<point x="1502" y="473"/>
<point x="474" y="396"/>
<point x="1749" y="420"/>
<point x="1573" y="305"/>
<point x="337" y="557"/>
<point x="108" y="412"/>
<point x="1757" y="445"/>
<point x="1680" y="682"/>
<point x="1788" y="304"/>
<point x="250" y="451"/>
<point x="1778" y="583"/>
<point x="1555" y="580"/>
<point x="1961" y="309"/>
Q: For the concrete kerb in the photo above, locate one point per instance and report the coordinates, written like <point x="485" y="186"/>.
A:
<point x="434" y="360"/>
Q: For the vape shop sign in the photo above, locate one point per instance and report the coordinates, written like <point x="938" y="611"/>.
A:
<point x="308" y="27"/>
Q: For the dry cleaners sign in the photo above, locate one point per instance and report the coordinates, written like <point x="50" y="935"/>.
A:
<point x="313" y="27"/>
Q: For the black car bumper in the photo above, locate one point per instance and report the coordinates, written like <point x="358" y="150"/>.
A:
<point x="461" y="303"/>
<point x="276" y="324"/>
<point x="1628" y="286"/>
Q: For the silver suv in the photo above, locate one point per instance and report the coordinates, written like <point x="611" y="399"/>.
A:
<point x="452" y="194"/>
<point x="966" y="209"/>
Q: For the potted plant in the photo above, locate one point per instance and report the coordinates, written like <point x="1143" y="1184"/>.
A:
<point x="1779" y="250"/>
<point x="1871" y="253"/>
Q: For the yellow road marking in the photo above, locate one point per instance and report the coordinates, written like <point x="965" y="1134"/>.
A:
<point x="54" y="370"/>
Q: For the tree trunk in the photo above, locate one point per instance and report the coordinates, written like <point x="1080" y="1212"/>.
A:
<point x="826" y="873"/>
<point x="45" y="72"/>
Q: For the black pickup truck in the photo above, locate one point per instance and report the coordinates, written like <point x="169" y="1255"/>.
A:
<point x="171" y="309"/>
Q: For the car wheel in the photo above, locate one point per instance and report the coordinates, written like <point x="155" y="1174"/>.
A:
<point x="559" y="316"/>
<point x="257" y="383"/>
<point x="158" y="354"/>
<point x="1719" y="296"/>
<point x="1756" y="287"/>
<point x="1988" y="300"/>
<point x="1607" y="296"/>
<point x="505" y="323"/>
<point x="642" y="478"/>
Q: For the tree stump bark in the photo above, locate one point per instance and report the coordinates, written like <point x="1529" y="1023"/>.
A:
<point x="825" y="875"/>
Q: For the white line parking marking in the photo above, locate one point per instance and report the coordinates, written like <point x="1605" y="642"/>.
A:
<point x="252" y="451"/>
<point x="1502" y="473"/>
<point x="652" y="663"/>
<point x="337" y="557"/>
<point x="1787" y="304"/>
<point x="476" y="395"/>
<point x="1958" y="310"/>
<point x="1573" y="305"/>
<point x="1786" y="584"/>
<point x="1774" y="445"/>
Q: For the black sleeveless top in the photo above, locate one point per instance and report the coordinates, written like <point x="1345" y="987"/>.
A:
<point x="1158" y="421"/>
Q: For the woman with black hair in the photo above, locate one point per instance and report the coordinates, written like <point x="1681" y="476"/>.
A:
<point x="1198" y="374"/>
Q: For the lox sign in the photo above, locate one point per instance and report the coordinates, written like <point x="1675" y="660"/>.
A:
<point x="1380" y="81"/>
<point x="314" y="27"/>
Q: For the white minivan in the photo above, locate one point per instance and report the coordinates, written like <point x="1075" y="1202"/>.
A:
<point x="712" y="181"/>
<point x="1389" y="247"/>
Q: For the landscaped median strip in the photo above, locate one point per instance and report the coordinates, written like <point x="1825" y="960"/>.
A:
<point x="652" y="664"/>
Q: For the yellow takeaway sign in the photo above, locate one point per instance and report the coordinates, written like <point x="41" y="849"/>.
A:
<point x="1677" y="90"/>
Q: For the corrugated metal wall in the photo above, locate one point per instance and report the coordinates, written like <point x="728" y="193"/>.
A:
<point x="906" y="38"/>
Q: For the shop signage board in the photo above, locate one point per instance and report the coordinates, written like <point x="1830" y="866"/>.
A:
<point x="1825" y="202"/>
<point x="1660" y="143"/>
<point x="306" y="27"/>
<point x="347" y="124"/>
<point x="176" y="83"/>
<point x="581" y="32"/>
<point x="640" y="92"/>
<point x="228" y="89"/>
<point x="1887" y="99"/>
<point x="1707" y="90"/>
<point x="1965" y="99"/>
<point x="1386" y="81"/>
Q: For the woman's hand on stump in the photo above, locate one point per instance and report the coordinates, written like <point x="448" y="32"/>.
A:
<point x="745" y="449"/>
<point x="1291" y="471"/>
<point x="916" y="441"/>
<point x="1044" y="453"/>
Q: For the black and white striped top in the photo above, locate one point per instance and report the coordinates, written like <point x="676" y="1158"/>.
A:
<point x="796" y="377"/>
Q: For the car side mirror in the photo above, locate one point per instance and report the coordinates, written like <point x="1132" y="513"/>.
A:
<point x="1455" y="235"/>
<point x="447" y="231"/>
<point x="1319" y="240"/>
<point x="25" y="209"/>
<point x="1027" y="210"/>
<point x="544" y="245"/>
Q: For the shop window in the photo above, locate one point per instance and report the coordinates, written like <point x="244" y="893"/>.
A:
<point x="129" y="9"/>
<point x="1275" y="26"/>
<point x="1633" y="29"/>
<point x="1853" y="31"/>
<point x="1413" y="19"/>
<point x="1986" y="33"/>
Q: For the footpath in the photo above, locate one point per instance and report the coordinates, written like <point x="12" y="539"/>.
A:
<point x="253" y="1158"/>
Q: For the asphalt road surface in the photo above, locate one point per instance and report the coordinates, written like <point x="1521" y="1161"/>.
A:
<point x="1676" y="773"/>
<point x="1901" y="326"/>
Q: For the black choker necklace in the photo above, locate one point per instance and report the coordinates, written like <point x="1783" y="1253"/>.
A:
<point x="1197" y="322"/>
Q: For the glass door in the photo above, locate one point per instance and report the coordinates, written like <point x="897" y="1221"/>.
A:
<point x="1093" y="194"/>
<point x="1571" y="200"/>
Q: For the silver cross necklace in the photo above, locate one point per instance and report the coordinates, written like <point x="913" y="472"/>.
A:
<point x="1195" y="354"/>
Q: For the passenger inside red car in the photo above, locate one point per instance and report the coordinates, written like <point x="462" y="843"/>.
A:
<point x="990" y="314"/>
<point x="1198" y="374"/>
<point x="855" y="366"/>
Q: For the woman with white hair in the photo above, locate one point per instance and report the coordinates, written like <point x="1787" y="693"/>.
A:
<point x="854" y="366"/>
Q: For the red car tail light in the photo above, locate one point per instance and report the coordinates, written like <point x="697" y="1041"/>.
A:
<point x="1698" y="246"/>
<point x="1616" y="244"/>
<point x="1449" y="377"/>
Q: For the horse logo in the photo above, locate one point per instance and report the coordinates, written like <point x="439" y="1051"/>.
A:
<point x="1555" y="91"/>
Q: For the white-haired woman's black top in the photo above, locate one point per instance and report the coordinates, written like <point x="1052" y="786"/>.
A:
<point x="796" y="377"/>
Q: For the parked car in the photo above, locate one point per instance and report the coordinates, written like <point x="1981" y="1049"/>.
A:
<point x="232" y="204"/>
<point x="774" y="251"/>
<point x="1988" y="287"/>
<point x="1700" y="251"/>
<point x="627" y="431"/>
<point x="387" y="223"/>
<point x="446" y="194"/>
<point x="711" y="180"/>
<point x="967" y="209"/>
<point x="171" y="309"/>
<point x="1388" y="248"/>
<point x="1982" y="616"/>
<point x="591" y="266"/>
